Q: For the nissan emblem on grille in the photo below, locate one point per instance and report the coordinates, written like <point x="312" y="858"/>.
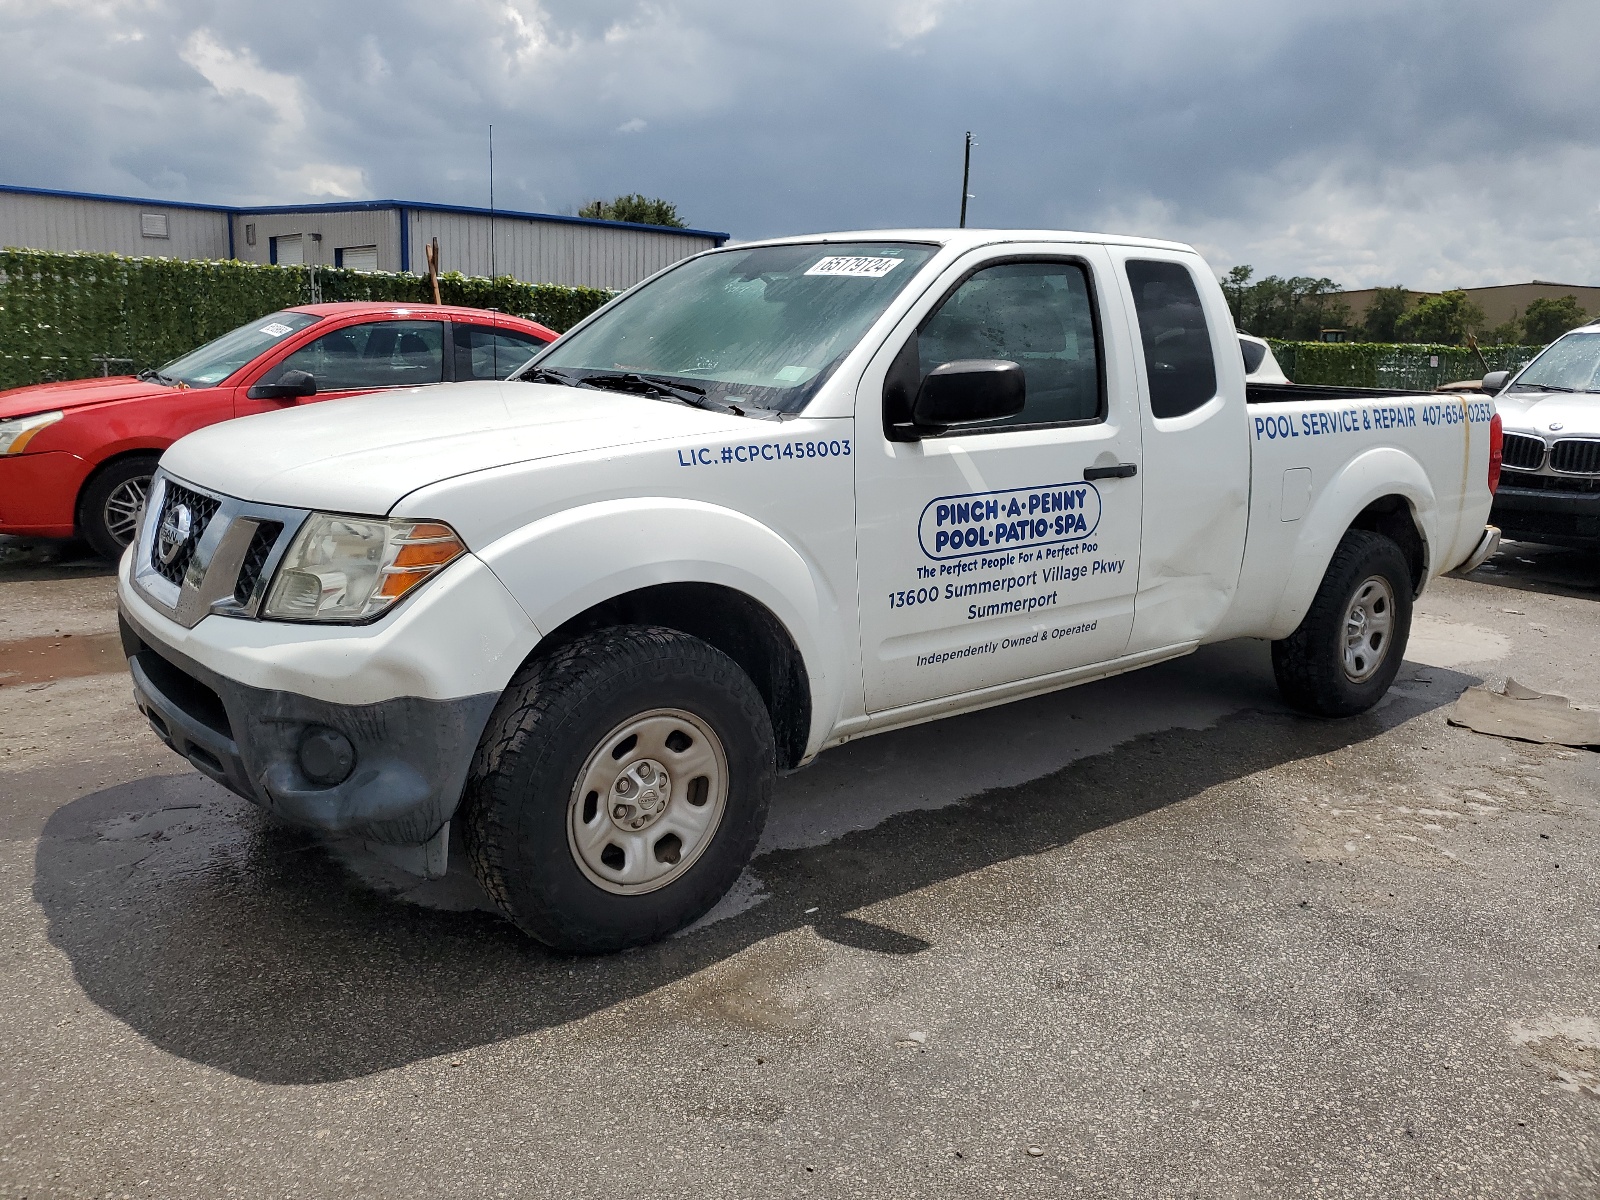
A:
<point x="174" y="533"/>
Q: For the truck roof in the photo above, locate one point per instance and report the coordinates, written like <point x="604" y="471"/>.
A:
<point x="968" y="238"/>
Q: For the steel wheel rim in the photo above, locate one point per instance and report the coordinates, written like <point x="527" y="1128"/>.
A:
<point x="630" y="831"/>
<point x="120" y="512"/>
<point x="1368" y="629"/>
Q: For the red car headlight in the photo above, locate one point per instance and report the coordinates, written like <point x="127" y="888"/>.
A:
<point x="15" y="434"/>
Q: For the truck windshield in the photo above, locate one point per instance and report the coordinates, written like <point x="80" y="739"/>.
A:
<point x="215" y="361"/>
<point x="1570" y="364"/>
<point x="760" y="328"/>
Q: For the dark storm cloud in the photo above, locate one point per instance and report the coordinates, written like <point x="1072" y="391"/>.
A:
<point x="1436" y="143"/>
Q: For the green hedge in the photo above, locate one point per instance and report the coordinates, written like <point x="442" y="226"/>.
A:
<point x="60" y="313"/>
<point x="1381" y="365"/>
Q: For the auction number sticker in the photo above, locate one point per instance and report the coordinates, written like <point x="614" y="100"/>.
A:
<point x="855" y="268"/>
<point x="276" y="329"/>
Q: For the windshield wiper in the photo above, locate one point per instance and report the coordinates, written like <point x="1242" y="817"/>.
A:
<point x="1544" y="387"/>
<point x="151" y="375"/>
<point x="654" y="385"/>
<point x="546" y="375"/>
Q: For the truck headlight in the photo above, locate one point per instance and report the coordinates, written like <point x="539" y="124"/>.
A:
<point x="14" y="435"/>
<point x="353" y="568"/>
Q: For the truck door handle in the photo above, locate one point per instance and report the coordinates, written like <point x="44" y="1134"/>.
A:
<point x="1120" y="471"/>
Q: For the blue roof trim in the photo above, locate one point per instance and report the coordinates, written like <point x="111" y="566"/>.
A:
<point x="361" y="206"/>
<point x="33" y="191"/>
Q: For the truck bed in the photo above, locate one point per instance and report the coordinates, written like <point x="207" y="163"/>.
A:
<point x="1289" y="393"/>
<point x="1318" y="454"/>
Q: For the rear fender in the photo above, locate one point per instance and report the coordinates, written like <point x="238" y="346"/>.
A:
<point x="571" y="561"/>
<point x="1370" y="476"/>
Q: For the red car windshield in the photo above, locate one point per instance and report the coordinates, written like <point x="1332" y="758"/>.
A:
<point x="215" y="361"/>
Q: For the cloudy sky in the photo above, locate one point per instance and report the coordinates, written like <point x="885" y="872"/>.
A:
<point x="1426" y="142"/>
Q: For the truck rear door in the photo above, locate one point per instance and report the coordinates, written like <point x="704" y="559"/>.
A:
<point x="1196" y="450"/>
<point x="994" y="554"/>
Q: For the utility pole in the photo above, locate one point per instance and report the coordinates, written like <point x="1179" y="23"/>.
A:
<point x="491" y="201"/>
<point x="966" y="179"/>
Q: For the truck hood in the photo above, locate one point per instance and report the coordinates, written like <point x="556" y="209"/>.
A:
<point x="1534" y="412"/>
<point x="47" y="397"/>
<point x="363" y="454"/>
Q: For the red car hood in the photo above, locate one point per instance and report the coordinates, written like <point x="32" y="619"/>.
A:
<point x="46" y="397"/>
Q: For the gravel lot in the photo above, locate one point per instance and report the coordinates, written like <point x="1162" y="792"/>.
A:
<point x="1151" y="937"/>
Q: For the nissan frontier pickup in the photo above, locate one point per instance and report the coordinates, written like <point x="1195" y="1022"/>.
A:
<point x="779" y="496"/>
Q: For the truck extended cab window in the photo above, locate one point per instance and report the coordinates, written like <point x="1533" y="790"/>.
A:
<point x="1177" y="344"/>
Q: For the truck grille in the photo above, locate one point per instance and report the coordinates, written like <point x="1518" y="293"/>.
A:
<point x="1576" y="456"/>
<point x="221" y="574"/>
<point x="201" y="509"/>
<point x="1521" y="451"/>
<point x="255" y="558"/>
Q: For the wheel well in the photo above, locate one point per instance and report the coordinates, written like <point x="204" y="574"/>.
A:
<point x="743" y="629"/>
<point x="1391" y="516"/>
<point x="101" y="469"/>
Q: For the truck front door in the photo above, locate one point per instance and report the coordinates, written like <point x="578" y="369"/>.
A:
<point x="1007" y="552"/>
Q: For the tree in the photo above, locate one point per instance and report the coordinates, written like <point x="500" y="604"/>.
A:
<point x="1388" y="306"/>
<point x="1507" y="334"/>
<point x="640" y="210"/>
<point x="1444" y="319"/>
<point x="1547" y="319"/>
<point x="1295" y="309"/>
<point x="1233" y="287"/>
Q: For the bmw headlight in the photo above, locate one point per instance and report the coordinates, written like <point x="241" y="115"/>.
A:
<point x="353" y="568"/>
<point x="15" y="435"/>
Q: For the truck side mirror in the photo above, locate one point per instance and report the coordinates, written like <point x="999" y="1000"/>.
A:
<point x="969" y="391"/>
<point x="291" y="385"/>
<point x="1494" y="381"/>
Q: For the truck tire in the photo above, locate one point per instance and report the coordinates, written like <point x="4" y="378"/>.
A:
<point x="1343" y="657"/>
<point x="109" y="504"/>
<point x="619" y="789"/>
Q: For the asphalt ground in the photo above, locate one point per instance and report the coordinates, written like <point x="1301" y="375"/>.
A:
<point x="1151" y="937"/>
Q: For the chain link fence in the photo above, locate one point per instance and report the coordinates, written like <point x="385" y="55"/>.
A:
<point x="1376" y="365"/>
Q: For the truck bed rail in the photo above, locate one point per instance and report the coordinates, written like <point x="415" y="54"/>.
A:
<point x="1288" y="393"/>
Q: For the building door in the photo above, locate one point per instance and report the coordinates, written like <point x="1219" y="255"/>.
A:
<point x="288" y="251"/>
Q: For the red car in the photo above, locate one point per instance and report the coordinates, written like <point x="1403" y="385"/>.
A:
<point x="76" y="458"/>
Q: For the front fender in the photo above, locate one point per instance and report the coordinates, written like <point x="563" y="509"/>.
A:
<point x="1372" y="475"/>
<point x="571" y="561"/>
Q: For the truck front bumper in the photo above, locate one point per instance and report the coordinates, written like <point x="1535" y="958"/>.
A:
<point x="256" y="705"/>
<point x="408" y="756"/>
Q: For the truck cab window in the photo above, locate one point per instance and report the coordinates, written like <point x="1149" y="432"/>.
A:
<point x="1038" y="315"/>
<point x="1177" y="344"/>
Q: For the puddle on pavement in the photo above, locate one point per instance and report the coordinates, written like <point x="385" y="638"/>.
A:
<point x="60" y="656"/>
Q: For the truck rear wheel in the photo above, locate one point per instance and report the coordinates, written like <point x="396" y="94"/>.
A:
<point x="1347" y="650"/>
<point x="620" y="788"/>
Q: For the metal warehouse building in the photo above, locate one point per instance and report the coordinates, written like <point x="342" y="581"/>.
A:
<point x="369" y="235"/>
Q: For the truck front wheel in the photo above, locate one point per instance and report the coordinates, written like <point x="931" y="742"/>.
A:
<point x="620" y="788"/>
<point x="1343" y="657"/>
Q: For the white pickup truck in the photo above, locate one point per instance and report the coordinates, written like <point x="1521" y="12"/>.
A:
<point x="776" y="497"/>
